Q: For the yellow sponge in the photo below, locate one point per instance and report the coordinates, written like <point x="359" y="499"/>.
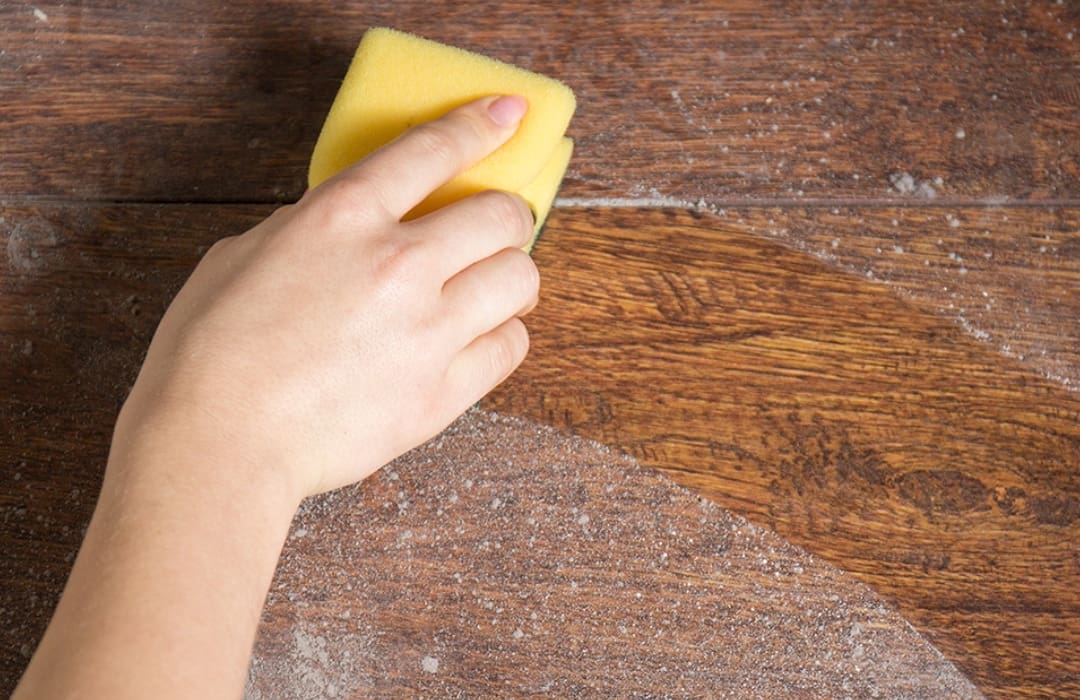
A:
<point x="540" y="193"/>
<point x="398" y="80"/>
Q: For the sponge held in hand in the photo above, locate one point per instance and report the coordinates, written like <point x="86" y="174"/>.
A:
<point x="397" y="80"/>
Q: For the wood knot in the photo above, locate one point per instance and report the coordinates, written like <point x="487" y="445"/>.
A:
<point x="943" y="492"/>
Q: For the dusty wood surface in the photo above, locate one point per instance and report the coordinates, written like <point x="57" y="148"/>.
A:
<point x="506" y="560"/>
<point x="709" y="105"/>
<point x="894" y="186"/>
<point x="162" y="100"/>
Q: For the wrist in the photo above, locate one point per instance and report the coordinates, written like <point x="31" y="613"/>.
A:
<point x="188" y="450"/>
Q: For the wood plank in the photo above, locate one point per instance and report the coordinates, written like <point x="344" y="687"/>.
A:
<point x="855" y="423"/>
<point x="850" y="421"/>
<point x="940" y="470"/>
<point x="716" y="101"/>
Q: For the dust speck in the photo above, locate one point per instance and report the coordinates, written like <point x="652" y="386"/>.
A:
<point x="906" y="184"/>
<point x="903" y="183"/>
<point x="30" y="245"/>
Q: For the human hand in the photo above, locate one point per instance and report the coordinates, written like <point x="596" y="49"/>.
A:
<point x="333" y="337"/>
<point x="298" y="357"/>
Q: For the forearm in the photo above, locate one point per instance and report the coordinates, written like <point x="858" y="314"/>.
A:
<point x="165" y="595"/>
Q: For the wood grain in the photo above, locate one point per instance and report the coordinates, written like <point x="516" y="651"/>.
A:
<point x="854" y="424"/>
<point x="197" y="101"/>
<point x="194" y="101"/>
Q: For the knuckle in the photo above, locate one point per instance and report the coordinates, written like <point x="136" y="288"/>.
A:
<point x="473" y="128"/>
<point x="349" y="200"/>
<point x="438" y="140"/>
<point x="501" y="359"/>
<point x="509" y="350"/>
<point x="328" y="193"/>
<point x="509" y="212"/>
<point x="397" y="261"/>
<point x="526" y="274"/>
<point x="219" y="246"/>
<point x="283" y="211"/>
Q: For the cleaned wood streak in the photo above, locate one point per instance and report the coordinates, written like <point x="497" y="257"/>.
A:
<point x="853" y="423"/>
<point x="819" y="261"/>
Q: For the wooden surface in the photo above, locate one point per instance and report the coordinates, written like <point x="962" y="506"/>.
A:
<point x="713" y="100"/>
<point x="817" y="260"/>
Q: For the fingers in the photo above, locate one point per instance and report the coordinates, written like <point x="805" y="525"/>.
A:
<point x="473" y="229"/>
<point x="486" y="362"/>
<point x="423" y="158"/>
<point x="483" y="296"/>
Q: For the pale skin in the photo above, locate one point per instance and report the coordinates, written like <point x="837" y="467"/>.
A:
<point x="299" y="357"/>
